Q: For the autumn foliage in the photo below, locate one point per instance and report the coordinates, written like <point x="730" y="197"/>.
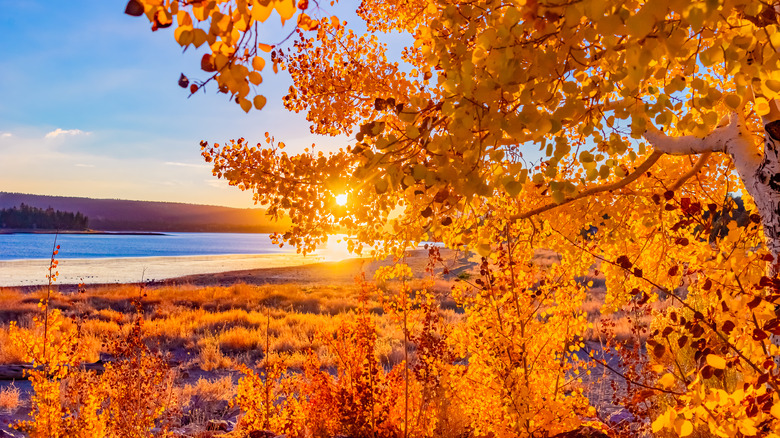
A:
<point x="506" y="127"/>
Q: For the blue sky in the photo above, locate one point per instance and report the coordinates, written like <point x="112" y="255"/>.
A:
<point x="89" y="106"/>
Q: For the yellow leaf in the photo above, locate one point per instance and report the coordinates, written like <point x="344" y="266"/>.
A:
<point x="259" y="102"/>
<point x="245" y="105"/>
<point x="285" y="8"/>
<point x="610" y="24"/>
<point x="255" y="78"/>
<point x="419" y="171"/>
<point x="261" y="12"/>
<point x="258" y="63"/>
<point x="747" y="427"/>
<point x="761" y="106"/>
<point x="732" y="101"/>
<point x="381" y="186"/>
<point x="513" y="188"/>
<point x="686" y="428"/>
<point x="306" y="23"/>
<point x="667" y="380"/>
<point x="200" y="12"/>
<point x="183" y="18"/>
<point x="199" y="37"/>
<point x="716" y="361"/>
<point x="659" y="423"/>
<point x="484" y="249"/>
<point x="640" y="24"/>
<point x="183" y="35"/>
<point x="775" y="410"/>
<point x="558" y="196"/>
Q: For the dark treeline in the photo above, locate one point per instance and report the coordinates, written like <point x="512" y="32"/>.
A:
<point x="27" y="217"/>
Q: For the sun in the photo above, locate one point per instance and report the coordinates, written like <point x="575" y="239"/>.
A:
<point x="341" y="199"/>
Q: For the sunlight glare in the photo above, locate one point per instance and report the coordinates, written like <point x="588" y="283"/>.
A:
<point x="335" y="249"/>
<point x="341" y="199"/>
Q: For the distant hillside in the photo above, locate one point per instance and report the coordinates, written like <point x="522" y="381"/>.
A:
<point x="122" y="215"/>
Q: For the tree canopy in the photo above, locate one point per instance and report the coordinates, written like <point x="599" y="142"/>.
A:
<point x="511" y="126"/>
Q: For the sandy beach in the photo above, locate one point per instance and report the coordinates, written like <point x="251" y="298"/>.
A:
<point x="220" y="270"/>
<point x="15" y="273"/>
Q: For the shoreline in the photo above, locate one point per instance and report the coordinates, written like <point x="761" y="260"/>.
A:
<point x="132" y="270"/>
<point x="264" y="270"/>
<point x="82" y="232"/>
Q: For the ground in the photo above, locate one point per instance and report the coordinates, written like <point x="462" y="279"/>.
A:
<point x="208" y="326"/>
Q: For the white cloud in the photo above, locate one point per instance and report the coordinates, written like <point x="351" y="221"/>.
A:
<point x="5" y="135"/>
<point x="84" y="165"/>
<point x="218" y="184"/>
<point x="198" y="166"/>
<point x="58" y="132"/>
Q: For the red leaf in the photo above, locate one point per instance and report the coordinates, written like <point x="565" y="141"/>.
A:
<point x="134" y="8"/>
<point x="206" y="64"/>
<point x="759" y="335"/>
<point x="754" y="303"/>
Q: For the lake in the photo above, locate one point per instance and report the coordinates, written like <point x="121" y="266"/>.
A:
<point x="114" y="258"/>
<point x="78" y="246"/>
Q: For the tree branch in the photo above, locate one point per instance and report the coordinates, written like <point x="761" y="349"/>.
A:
<point x="716" y="141"/>
<point x="732" y="138"/>
<point x="598" y="189"/>
<point x="694" y="170"/>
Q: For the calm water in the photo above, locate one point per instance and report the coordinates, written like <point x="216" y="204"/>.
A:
<point x="88" y="246"/>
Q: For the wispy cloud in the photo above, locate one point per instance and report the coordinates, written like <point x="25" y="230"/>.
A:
<point x="176" y="163"/>
<point x="60" y="132"/>
<point x="218" y="184"/>
<point x="84" y="165"/>
<point x="5" y="135"/>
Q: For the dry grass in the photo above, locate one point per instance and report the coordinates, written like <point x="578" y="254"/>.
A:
<point x="9" y="352"/>
<point x="210" y="356"/>
<point x="211" y="323"/>
<point x="206" y="393"/>
<point x="221" y="326"/>
<point x="10" y="398"/>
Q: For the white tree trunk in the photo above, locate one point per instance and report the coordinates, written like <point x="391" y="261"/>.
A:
<point x="760" y="172"/>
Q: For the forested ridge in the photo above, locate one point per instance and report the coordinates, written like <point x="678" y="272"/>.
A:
<point x="127" y="215"/>
<point x="27" y="217"/>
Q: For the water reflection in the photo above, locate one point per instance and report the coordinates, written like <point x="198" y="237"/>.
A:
<point x="335" y="249"/>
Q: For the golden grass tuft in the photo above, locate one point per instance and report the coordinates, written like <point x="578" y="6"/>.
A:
<point x="10" y="398"/>
<point x="9" y="352"/>
<point x="210" y="356"/>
